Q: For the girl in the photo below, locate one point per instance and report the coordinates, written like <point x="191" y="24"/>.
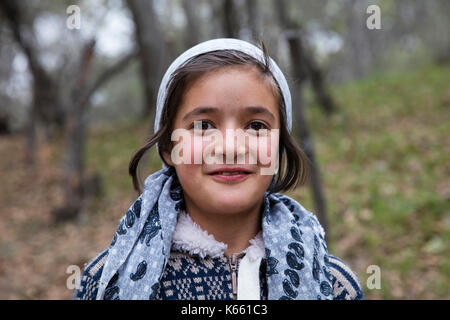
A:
<point x="219" y="230"/>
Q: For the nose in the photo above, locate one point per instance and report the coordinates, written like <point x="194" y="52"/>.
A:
<point x="235" y="146"/>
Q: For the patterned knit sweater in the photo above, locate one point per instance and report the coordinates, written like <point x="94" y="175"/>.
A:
<point x="198" y="269"/>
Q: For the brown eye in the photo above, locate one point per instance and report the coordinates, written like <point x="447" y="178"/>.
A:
<point x="201" y="125"/>
<point x="257" y="125"/>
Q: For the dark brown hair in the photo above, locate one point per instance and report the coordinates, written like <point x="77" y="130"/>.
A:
<point x="294" y="165"/>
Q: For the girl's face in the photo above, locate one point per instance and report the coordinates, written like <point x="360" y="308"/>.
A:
<point x="237" y="97"/>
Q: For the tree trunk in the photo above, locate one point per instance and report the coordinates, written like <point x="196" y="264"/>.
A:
<point x="193" y="30"/>
<point x="151" y="49"/>
<point x="75" y="141"/>
<point x="5" y="121"/>
<point x="296" y="53"/>
<point x="45" y="106"/>
<point x="300" y="72"/>
<point x="30" y="138"/>
<point x="230" y="19"/>
<point x="309" y="68"/>
<point x="357" y="40"/>
<point x="252" y="19"/>
<point x="75" y="134"/>
<point x="319" y="87"/>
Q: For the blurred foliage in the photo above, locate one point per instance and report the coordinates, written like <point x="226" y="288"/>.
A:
<point x="384" y="161"/>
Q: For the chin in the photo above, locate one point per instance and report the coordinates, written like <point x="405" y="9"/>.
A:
<point x="234" y="201"/>
<point x="223" y="207"/>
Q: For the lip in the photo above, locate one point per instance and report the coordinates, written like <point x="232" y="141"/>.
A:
<point x="230" y="178"/>
<point x="230" y="169"/>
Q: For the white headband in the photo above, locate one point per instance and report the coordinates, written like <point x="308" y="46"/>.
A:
<point x="223" y="44"/>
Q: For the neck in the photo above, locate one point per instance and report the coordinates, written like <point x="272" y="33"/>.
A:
<point x="234" y="229"/>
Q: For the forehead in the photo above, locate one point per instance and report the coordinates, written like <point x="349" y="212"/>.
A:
<point x="231" y="89"/>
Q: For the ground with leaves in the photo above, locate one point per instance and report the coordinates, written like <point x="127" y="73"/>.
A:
<point x="384" y="165"/>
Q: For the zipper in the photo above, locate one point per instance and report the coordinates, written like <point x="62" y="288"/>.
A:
<point x="234" y="264"/>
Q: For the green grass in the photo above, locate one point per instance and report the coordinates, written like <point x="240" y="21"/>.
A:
<point x="384" y="161"/>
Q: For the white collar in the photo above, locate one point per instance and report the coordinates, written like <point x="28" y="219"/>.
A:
<point x="190" y="237"/>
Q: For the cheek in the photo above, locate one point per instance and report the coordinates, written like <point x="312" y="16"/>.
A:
<point x="267" y="149"/>
<point x="188" y="151"/>
<point x="197" y="146"/>
<point x="188" y="174"/>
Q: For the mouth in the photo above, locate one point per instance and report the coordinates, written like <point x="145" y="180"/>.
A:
<point x="237" y="175"/>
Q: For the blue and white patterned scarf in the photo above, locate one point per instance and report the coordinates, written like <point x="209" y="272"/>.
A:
<point x="296" y="252"/>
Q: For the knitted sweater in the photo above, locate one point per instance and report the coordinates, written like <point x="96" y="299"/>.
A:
<point x="198" y="269"/>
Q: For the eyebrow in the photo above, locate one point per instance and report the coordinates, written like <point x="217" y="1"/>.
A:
<point x="200" y="110"/>
<point x="259" y="110"/>
<point x="209" y="110"/>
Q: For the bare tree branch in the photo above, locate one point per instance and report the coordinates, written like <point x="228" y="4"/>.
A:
<point x="109" y="73"/>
